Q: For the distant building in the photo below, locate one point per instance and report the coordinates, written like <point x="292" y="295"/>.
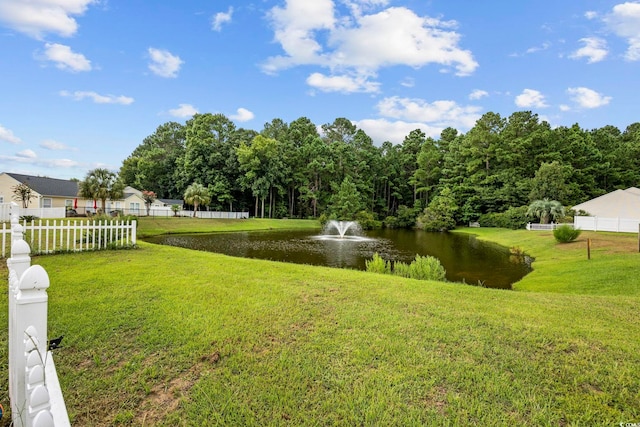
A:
<point x="617" y="204"/>
<point x="617" y="211"/>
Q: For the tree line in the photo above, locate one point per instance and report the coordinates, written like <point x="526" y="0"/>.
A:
<point x="299" y="170"/>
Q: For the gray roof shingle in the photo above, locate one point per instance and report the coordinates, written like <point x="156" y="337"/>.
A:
<point x="48" y="186"/>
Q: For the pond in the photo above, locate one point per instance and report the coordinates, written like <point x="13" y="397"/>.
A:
<point x="465" y="258"/>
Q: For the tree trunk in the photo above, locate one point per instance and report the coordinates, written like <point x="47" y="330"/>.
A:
<point x="255" y="209"/>
<point x="262" y="211"/>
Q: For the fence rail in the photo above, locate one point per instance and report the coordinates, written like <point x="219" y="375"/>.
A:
<point x="34" y="388"/>
<point x="619" y="225"/>
<point x="159" y="212"/>
<point x="50" y="236"/>
<point x="545" y="227"/>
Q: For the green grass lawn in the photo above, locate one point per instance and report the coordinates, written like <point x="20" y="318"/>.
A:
<point x="168" y="336"/>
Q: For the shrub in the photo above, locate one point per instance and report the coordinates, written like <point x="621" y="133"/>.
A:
<point x="440" y="214"/>
<point x="427" y="268"/>
<point x="391" y="222"/>
<point x="367" y="221"/>
<point x="406" y="216"/>
<point x="421" y="268"/>
<point x="566" y="234"/>
<point x="513" y="218"/>
<point x="378" y="265"/>
<point x="401" y="269"/>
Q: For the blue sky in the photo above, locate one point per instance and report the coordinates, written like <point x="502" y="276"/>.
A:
<point x="83" y="82"/>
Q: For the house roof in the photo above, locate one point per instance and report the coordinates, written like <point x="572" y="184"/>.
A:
<point x="48" y="186"/>
<point x="171" y="201"/>
<point x="617" y="204"/>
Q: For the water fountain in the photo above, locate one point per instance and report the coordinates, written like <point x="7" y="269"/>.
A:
<point x="341" y="226"/>
<point x="342" y="231"/>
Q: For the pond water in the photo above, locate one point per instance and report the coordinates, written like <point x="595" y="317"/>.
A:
<point x="465" y="258"/>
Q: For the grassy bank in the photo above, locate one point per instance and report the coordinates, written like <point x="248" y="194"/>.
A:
<point x="168" y="336"/>
<point x="614" y="267"/>
<point x="155" y="226"/>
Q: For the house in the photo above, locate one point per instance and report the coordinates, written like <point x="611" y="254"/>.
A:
<point x="46" y="192"/>
<point x="52" y="197"/>
<point x="616" y="211"/>
<point x="135" y="205"/>
<point x="617" y="204"/>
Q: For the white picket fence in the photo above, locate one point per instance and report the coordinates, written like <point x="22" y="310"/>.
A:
<point x="34" y="388"/>
<point x="50" y="236"/>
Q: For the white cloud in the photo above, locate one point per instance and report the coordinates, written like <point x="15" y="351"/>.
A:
<point x="344" y="83"/>
<point x="590" y="14"/>
<point x="381" y="130"/>
<point x="242" y="115"/>
<point x="312" y="33"/>
<point x="49" y="144"/>
<point x="184" y="110"/>
<point x="221" y="18"/>
<point x="624" y="21"/>
<point x="564" y="107"/>
<point x="439" y="113"/>
<point x="97" y="98"/>
<point x="534" y="49"/>
<point x="8" y="136"/>
<point x="37" y="17"/>
<point x="530" y="98"/>
<point x="408" y="82"/>
<point x="65" y="58"/>
<point x="30" y="157"/>
<point x="478" y="94"/>
<point x="594" y="49"/>
<point x="163" y="63"/>
<point x="27" y="154"/>
<point x="587" y="98"/>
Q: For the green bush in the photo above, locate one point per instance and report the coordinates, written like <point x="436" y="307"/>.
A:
<point x="378" y="265"/>
<point x="401" y="269"/>
<point x="422" y="268"/>
<point x="391" y="222"/>
<point x="513" y="218"/>
<point x="427" y="268"/>
<point x="566" y="234"/>
<point x="367" y="221"/>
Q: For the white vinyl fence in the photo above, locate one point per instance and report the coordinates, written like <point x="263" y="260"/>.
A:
<point x="34" y="389"/>
<point x="216" y="215"/>
<point x="544" y="227"/>
<point x="594" y="223"/>
<point x="50" y="236"/>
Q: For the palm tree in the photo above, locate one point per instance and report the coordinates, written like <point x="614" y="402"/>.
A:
<point x="546" y="209"/>
<point x="101" y="184"/>
<point x="197" y="194"/>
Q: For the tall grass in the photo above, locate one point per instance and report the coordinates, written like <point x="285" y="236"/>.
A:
<point x="167" y="336"/>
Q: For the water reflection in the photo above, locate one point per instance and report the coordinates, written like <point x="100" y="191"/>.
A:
<point x="465" y="258"/>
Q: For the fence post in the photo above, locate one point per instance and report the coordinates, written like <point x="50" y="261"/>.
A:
<point x="29" y="311"/>
<point x="133" y="232"/>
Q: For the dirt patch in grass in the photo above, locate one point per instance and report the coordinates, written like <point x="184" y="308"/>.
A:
<point x="614" y="243"/>
<point x="165" y="398"/>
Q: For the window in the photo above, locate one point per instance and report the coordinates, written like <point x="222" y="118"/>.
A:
<point x="134" y="207"/>
<point x="47" y="202"/>
<point x="68" y="203"/>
